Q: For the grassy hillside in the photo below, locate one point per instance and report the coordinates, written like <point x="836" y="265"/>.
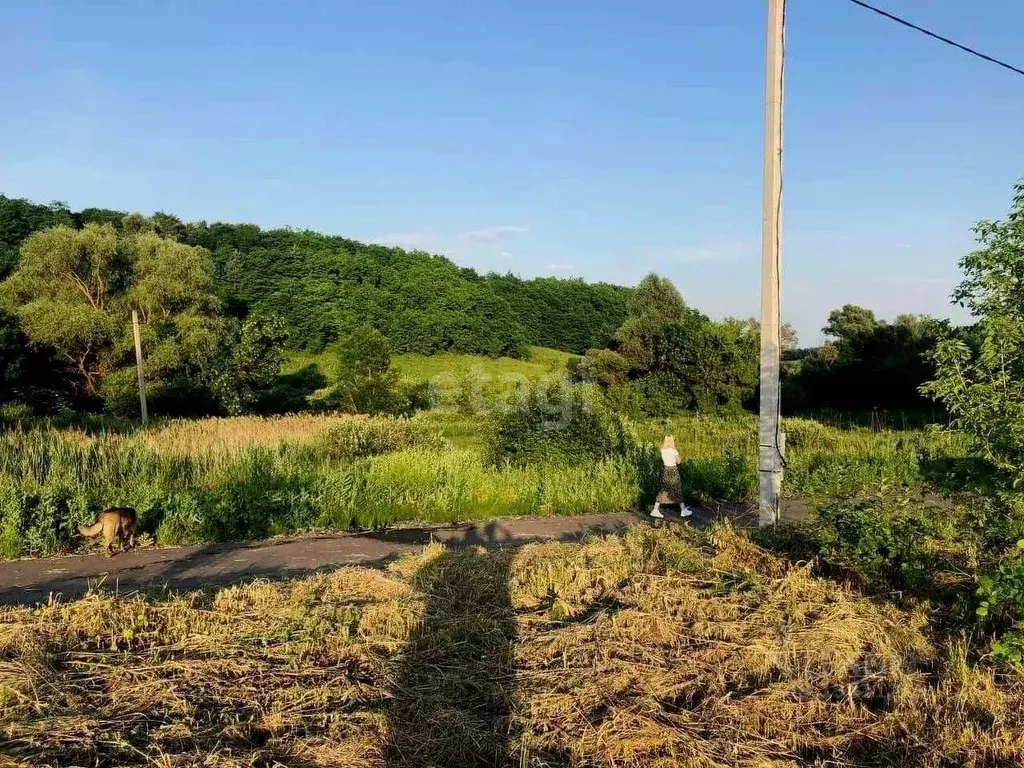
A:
<point x="417" y="368"/>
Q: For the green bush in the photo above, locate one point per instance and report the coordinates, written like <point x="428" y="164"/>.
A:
<point x="1002" y="606"/>
<point x="370" y="437"/>
<point x="894" y="542"/>
<point x="551" y="421"/>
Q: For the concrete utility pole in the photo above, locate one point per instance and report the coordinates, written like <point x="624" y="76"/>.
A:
<point x="138" y="361"/>
<point x="771" y="441"/>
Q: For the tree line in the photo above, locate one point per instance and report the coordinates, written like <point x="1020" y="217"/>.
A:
<point x="323" y="287"/>
<point x="220" y="304"/>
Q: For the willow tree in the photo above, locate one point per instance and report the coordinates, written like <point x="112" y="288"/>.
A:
<point x="74" y="290"/>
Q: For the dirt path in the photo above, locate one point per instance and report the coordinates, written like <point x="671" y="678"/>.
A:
<point x="179" y="568"/>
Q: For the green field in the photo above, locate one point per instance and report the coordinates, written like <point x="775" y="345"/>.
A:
<point x="416" y="368"/>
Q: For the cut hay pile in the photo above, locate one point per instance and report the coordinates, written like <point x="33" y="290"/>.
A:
<point x="651" y="649"/>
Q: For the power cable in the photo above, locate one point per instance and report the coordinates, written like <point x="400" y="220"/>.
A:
<point x="940" y="38"/>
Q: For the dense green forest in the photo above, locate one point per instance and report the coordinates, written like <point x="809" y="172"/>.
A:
<point x="323" y="287"/>
<point x="221" y="303"/>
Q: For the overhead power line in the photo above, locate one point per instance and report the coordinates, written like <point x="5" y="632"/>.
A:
<point x="938" y="37"/>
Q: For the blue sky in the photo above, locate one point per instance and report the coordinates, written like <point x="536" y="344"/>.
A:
<point x="599" y="139"/>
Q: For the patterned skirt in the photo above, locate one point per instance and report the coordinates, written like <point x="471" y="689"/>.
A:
<point x="671" y="491"/>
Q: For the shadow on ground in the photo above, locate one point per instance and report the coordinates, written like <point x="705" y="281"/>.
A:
<point x="453" y="683"/>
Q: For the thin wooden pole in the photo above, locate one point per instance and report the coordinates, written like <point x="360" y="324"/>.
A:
<point x="138" y="361"/>
<point x="771" y="442"/>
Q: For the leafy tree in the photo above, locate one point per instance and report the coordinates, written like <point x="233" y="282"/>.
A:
<point x="655" y="304"/>
<point x="367" y="383"/>
<point x="703" y="366"/>
<point x="790" y="340"/>
<point x="850" y="325"/>
<point x="984" y="388"/>
<point x="604" y="367"/>
<point x="73" y="291"/>
<point x="252" y="366"/>
<point x="869" y="364"/>
<point x="325" y="287"/>
<point x="571" y="315"/>
<point x="19" y="219"/>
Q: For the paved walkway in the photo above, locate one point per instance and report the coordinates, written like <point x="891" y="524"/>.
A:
<point x="180" y="568"/>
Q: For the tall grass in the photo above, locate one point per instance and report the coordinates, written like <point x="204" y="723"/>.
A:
<point x="202" y="482"/>
<point x="220" y="479"/>
<point x="720" y="456"/>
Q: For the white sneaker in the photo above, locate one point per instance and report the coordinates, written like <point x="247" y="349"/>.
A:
<point x="685" y="512"/>
<point x="657" y="513"/>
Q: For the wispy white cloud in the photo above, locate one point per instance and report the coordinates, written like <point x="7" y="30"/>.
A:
<point x="561" y="267"/>
<point x="404" y="239"/>
<point x="494" y="233"/>
<point x="705" y="249"/>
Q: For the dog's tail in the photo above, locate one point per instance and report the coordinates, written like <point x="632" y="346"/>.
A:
<point x="91" y="530"/>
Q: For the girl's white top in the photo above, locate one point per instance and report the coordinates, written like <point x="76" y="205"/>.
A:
<point x="669" y="456"/>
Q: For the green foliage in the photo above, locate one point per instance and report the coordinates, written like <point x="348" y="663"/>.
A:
<point x="703" y="366"/>
<point x="325" y="287"/>
<point x="670" y="359"/>
<point x="604" y="367"/>
<point x="868" y="363"/>
<point x="18" y="220"/>
<point x="29" y="373"/>
<point x="249" y="375"/>
<point x="360" y="438"/>
<point x="372" y="472"/>
<point x="1002" y="606"/>
<point x="887" y="541"/>
<point x="570" y="315"/>
<point x="727" y="478"/>
<point x="73" y="293"/>
<point x="551" y="421"/>
<point x="655" y="304"/>
<point x="851" y="324"/>
<point x="367" y="383"/>
<point x="292" y="392"/>
<point x="984" y="389"/>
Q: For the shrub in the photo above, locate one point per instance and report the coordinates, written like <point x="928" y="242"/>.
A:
<point x="895" y="541"/>
<point x="555" y="422"/>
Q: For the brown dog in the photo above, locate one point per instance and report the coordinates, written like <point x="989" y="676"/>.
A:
<point x="116" y="524"/>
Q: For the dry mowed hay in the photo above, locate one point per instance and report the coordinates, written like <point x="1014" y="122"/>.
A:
<point x="655" y="648"/>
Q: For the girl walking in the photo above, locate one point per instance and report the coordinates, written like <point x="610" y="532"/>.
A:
<point x="671" y="491"/>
